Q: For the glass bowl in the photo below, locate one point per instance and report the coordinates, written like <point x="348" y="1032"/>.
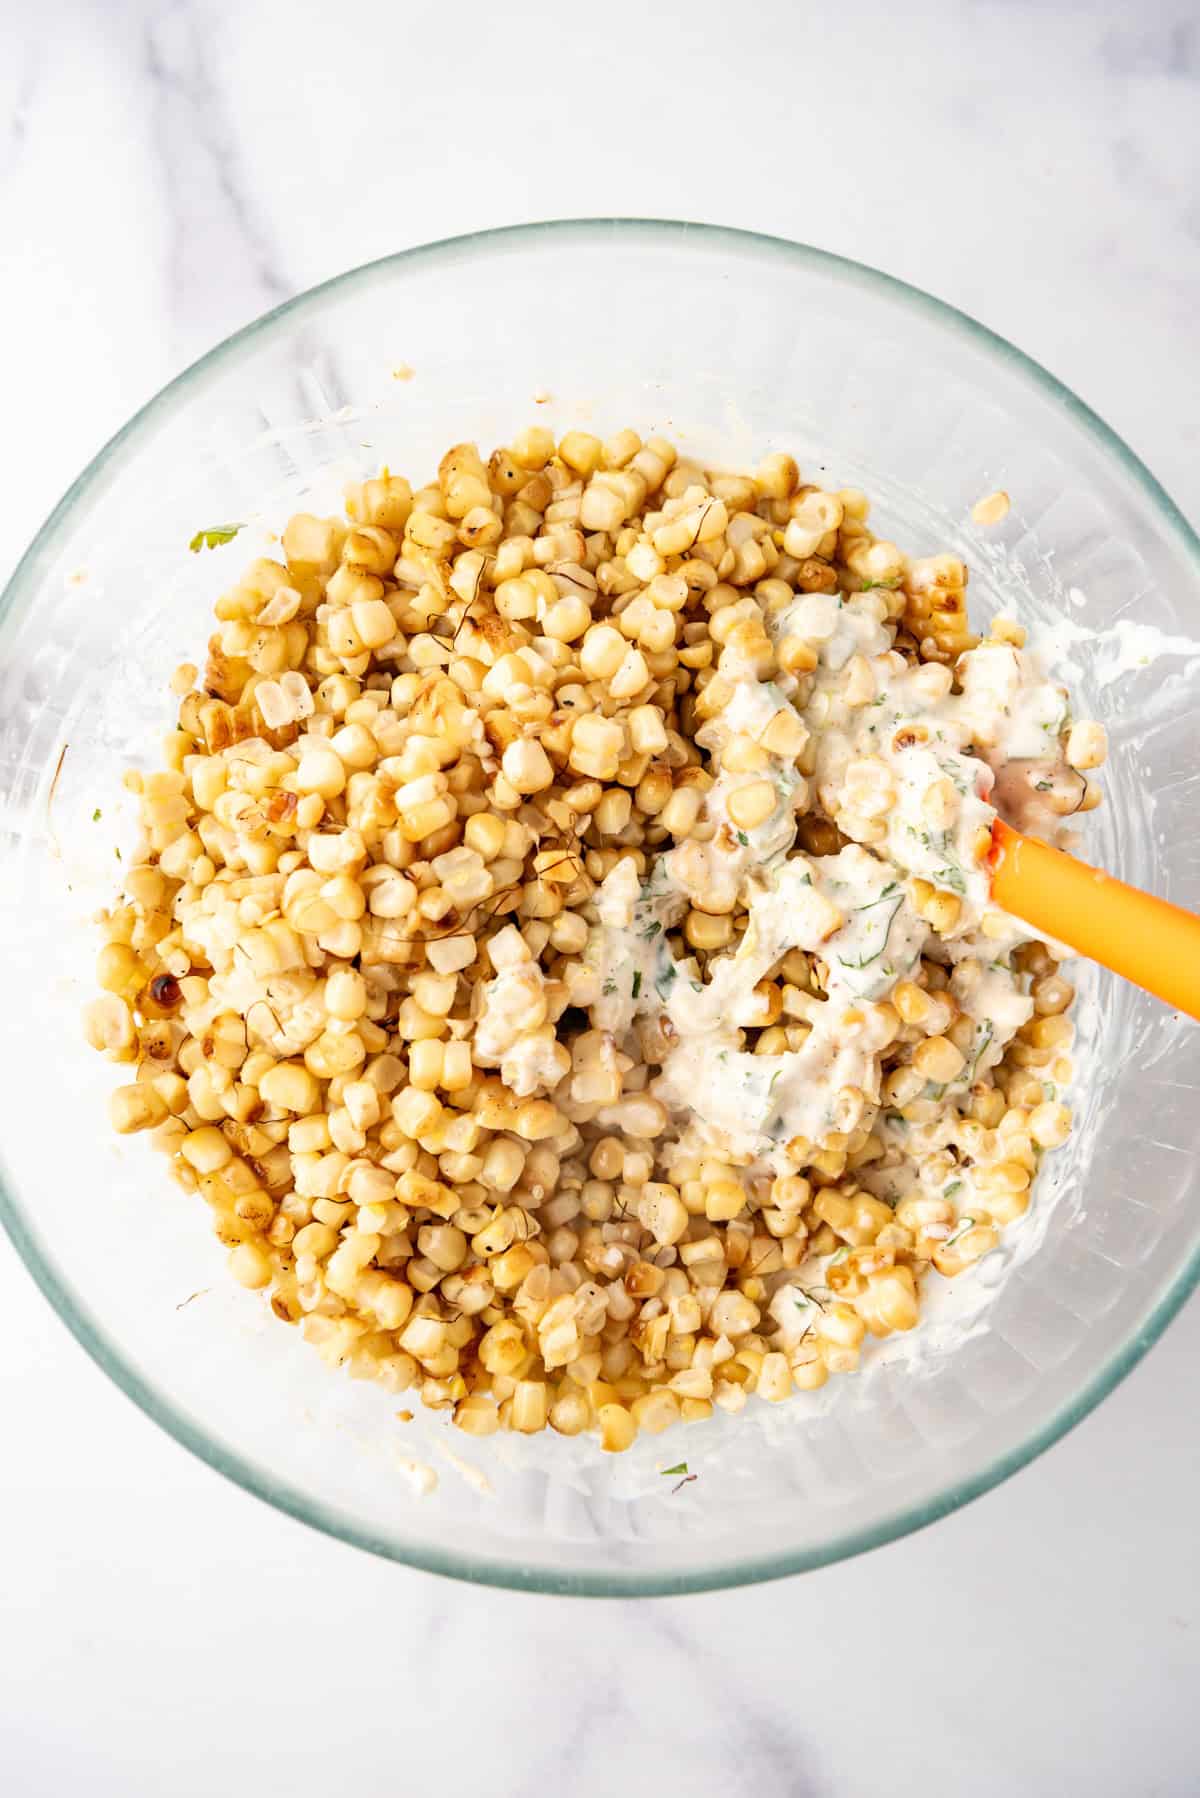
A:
<point x="730" y="344"/>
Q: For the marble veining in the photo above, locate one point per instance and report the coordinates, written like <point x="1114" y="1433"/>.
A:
<point x="212" y="221"/>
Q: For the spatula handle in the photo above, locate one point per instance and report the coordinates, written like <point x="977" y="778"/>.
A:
<point x="1154" y="944"/>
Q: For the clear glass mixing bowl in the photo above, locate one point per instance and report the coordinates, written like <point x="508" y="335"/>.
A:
<point x="730" y="344"/>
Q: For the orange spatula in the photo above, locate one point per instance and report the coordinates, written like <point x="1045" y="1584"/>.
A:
<point x="1142" y="938"/>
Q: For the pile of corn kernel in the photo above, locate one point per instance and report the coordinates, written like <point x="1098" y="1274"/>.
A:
<point x="343" y="963"/>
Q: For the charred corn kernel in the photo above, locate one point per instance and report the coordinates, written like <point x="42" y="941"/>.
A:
<point x="681" y="812"/>
<point x="108" y="1026"/>
<point x="477" y="1415"/>
<point x="937" y="1059"/>
<point x="703" y="930"/>
<point x="529" y="1407"/>
<point x="133" y="1108"/>
<point x="617" y="1428"/>
<point x="119" y="971"/>
<point x="777" y="476"/>
<point x="1050" y="1125"/>
<point x="809" y="1376"/>
<point x="889" y="1301"/>
<point x="774" y="1378"/>
<point x="345" y="994"/>
<point x="443" y="1244"/>
<point x="751" y="805"/>
<point x="662" y="1212"/>
<point x="991" y="508"/>
<point x="570" y="1414"/>
<point x="509" y="1269"/>
<point x="581" y="452"/>
<point x="250" y="1265"/>
<point x="965" y="1245"/>
<point x="290" y="1087"/>
<point x="1049" y="1032"/>
<point x="723" y="1200"/>
<point x="840" y="1325"/>
<point x="416" y="1013"/>
<point x="527" y="767"/>
<point x="733" y="1315"/>
<point x="1001" y="1204"/>
<point x="206" y="1150"/>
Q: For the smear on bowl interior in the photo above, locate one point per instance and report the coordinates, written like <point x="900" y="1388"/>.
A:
<point x="560" y="952"/>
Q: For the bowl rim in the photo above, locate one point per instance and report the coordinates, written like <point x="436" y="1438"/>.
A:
<point x="158" y="1406"/>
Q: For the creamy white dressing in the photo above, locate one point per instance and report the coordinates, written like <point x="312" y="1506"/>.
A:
<point x="988" y="993"/>
<point x="748" y="712"/>
<point x="512" y="1034"/>
<point x="853" y="910"/>
<point x="837" y="628"/>
<point x="845" y="908"/>
<point x="940" y="750"/>
<point x="534" y="1063"/>
<point x="918" y="770"/>
<point x="1120" y="649"/>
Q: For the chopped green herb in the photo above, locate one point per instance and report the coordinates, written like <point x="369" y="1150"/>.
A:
<point x="895" y="1117"/>
<point x="954" y="1186"/>
<point x="117" y="853"/>
<point x="665" y="981"/>
<point x="985" y="1039"/>
<point x="839" y="1255"/>
<point x="682" y="1469"/>
<point x="964" y="1224"/>
<point x="743" y="839"/>
<point x="637" y="983"/>
<point x="214" y="537"/>
<point x="651" y="930"/>
<point x="609" y="988"/>
<point x="866" y="960"/>
<point x="953" y="878"/>
<point x="888" y="586"/>
<point x="96" y="815"/>
<point x="893" y="886"/>
<point x="1043" y="786"/>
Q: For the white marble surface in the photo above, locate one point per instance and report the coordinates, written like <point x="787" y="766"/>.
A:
<point x="167" y="170"/>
